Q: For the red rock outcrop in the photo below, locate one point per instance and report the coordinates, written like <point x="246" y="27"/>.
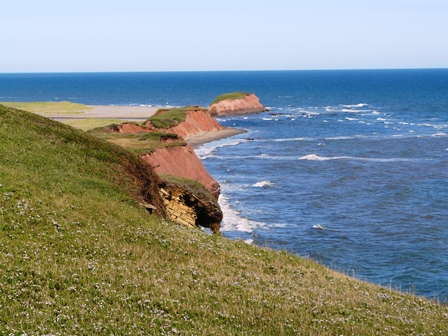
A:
<point x="182" y="161"/>
<point x="249" y="104"/>
<point x="131" y="128"/>
<point x="197" y="122"/>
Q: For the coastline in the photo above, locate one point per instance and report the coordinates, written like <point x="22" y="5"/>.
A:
<point x="199" y="140"/>
<point x="141" y="113"/>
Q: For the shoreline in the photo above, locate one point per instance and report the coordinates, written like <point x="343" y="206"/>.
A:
<point x="141" y="113"/>
<point x="202" y="139"/>
<point x="121" y="112"/>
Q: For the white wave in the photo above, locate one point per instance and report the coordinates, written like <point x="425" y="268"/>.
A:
<point x="440" y="134"/>
<point x="318" y="227"/>
<point x="351" y="119"/>
<point x="267" y="118"/>
<point x="249" y="241"/>
<point x="264" y="155"/>
<point x="381" y="119"/>
<point x="263" y="184"/>
<point x="233" y="221"/>
<point x="352" y="110"/>
<point x="315" y="157"/>
<point x="207" y="150"/>
<point x="345" y="137"/>
<point x="356" y="105"/>
<point x="436" y="126"/>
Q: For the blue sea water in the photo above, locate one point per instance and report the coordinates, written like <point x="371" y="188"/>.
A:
<point x="349" y="168"/>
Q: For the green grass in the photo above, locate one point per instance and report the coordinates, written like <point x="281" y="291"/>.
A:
<point x="231" y="95"/>
<point x="79" y="256"/>
<point x="49" y="108"/>
<point x="143" y="142"/>
<point x="90" y="123"/>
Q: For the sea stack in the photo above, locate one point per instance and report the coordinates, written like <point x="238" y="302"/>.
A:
<point x="235" y="103"/>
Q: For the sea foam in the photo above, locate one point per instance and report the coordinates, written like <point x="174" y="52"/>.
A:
<point x="207" y="150"/>
<point x="263" y="184"/>
<point x="233" y="221"/>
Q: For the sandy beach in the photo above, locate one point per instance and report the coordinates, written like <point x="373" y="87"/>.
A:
<point x="121" y="112"/>
<point x="140" y="113"/>
<point x="199" y="140"/>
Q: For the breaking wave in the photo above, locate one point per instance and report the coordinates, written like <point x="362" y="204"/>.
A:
<point x="233" y="221"/>
<point x="263" y="184"/>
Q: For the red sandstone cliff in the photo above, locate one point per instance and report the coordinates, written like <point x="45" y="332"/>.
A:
<point x="197" y="122"/>
<point x="182" y="161"/>
<point x="249" y="104"/>
<point x="179" y="159"/>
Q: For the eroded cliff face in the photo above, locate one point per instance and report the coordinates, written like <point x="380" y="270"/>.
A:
<point x="182" y="161"/>
<point x="248" y="104"/>
<point x="196" y="123"/>
<point x="190" y="207"/>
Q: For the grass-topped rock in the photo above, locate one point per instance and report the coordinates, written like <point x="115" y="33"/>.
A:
<point x="230" y="96"/>
<point x="166" y="118"/>
<point x="235" y="103"/>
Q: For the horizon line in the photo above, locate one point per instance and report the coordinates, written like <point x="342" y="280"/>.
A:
<point x="249" y="70"/>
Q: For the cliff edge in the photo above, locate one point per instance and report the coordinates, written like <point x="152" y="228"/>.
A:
<point x="186" y="122"/>
<point x="235" y="103"/>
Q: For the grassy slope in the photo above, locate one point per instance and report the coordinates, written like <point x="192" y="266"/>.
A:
<point x="78" y="256"/>
<point x="139" y="143"/>
<point x="231" y="95"/>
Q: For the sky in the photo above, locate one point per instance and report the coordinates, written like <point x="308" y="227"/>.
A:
<point x="215" y="35"/>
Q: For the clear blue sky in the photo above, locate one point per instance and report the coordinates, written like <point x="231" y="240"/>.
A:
<point x="185" y="35"/>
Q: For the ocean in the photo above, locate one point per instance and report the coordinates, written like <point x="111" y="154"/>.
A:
<point x="349" y="168"/>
